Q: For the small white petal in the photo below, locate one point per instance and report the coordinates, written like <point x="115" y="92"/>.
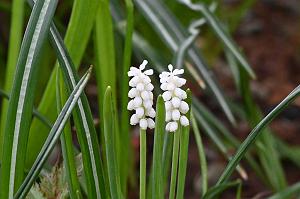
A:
<point x="176" y="102"/>
<point x="134" y="119"/>
<point x="175" y="115"/>
<point x="146" y="79"/>
<point x="178" y="92"/>
<point x="168" y="116"/>
<point x="139" y="112"/>
<point x="184" y="121"/>
<point x="148" y="72"/>
<point x="164" y="86"/>
<point x="150" y="112"/>
<point x="143" y="65"/>
<point x="167" y="95"/>
<point x="143" y="124"/>
<point x="137" y="101"/>
<point x="170" y="67"/>
<point x="131" y="73"/>
<point x="145" y="95"/>
<point x="133" y="93"/>
<point x="134" y="81"/>
<point x="180" y="82"/>
<point x="168" y="105"/>
<point x="149" y="87"/>
<point x="140" y="86"/>
<point x="178" y="71"/>
<point x="164" y="75"/>
<point x="147" y="104"/>
<point x="184" y="107"/>
<point x="130" y="105"/>
<point x="173" y="126"/>
<point x="151" y="123"/>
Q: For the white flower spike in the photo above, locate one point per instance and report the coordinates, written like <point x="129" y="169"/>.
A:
<point x="174" y="98"/>
<point x="141" y="97"/>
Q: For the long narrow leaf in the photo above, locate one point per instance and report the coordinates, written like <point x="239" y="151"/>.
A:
<point x="157" y="173"/>
<point x="54" y="135"/>
<point x="125" y="159"/>
<point x="67" y="144"/>
<point x="19" y="112"/>
<point x="110" y="144"/>
<point x="15" y="39"/>
<point x="35" y="113"/>
<point x="173" y="34"/>
<point x="83" y="120"/>
<point x="76" y="39"/>
<point x="255" y="133"/>
<point x="288" y="192"/>
<point x="183" y="154"/>
<point x="201" y="153"/>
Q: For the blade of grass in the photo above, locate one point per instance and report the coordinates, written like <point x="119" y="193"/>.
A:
<point x="157" y="173"/>
<point x="15" y="38"/>
<point x="76" y="39"/>
<point x="289" y="192"/>
<point x="54" y="135"/>
<point x="172" y="33"/>
<point x="105" y="67"/>
<point x="19" y="112"/>
<point x="201" y="153"/>
<point x="35" y="113"/>
<point x="222" y="34"/>
<point x="110" y="143"/>
<point x="214" y="192"/>
<point x="183" y="153"/>
<point x="268" y="154"/>
<point x="217" y="140"/>
<point x="125" y="159"/>
<point x="67" y="144"/>
<point x="233" y="142"/>
<point x="83" y="120"/>
<point x="255" y="133"/>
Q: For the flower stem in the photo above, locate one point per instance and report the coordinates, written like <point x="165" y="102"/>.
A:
<point x="143" y="153"/>
<point x="174" y="163"/>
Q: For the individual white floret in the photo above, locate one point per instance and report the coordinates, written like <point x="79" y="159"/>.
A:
<point x="172" y="126"/>
<point x="151" y="123"/>
<point x="184" y="107"/>
<point x="175" y="114"/>
<point x="184" y="121"/>
<point x="142" y="97"/>
<point x="134" y="119"/>
<point x="143" y="124"/>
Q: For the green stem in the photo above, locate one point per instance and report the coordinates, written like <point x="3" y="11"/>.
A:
<point x="143" y="153"/>
<point x="174" y="163"/>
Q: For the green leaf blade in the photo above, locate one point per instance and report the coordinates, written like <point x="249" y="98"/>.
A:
<point x="19" y="112"/>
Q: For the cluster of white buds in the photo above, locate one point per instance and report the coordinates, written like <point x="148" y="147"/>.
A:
<point x="174" y="98"/>
<point x="142" y="97"/>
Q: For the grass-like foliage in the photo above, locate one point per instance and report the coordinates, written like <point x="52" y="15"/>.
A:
<point x="46" y="114"/>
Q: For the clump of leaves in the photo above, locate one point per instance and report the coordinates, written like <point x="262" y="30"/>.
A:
<point x="53" y="185"/>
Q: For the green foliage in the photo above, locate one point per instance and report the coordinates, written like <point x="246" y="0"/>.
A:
<point x="129" y="31"/>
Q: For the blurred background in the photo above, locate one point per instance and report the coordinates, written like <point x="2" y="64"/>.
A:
<point x="267" y="31"/>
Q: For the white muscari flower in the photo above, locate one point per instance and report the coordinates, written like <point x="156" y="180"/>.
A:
<point x="174" y="98"/>
<point x="142" y="97"/>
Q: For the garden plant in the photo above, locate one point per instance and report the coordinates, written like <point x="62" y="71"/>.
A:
<point x="81" y="80"/>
